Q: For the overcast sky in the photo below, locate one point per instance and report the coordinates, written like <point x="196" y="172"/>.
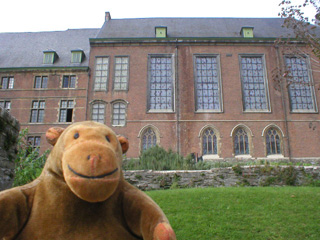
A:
<point x="56" y="15"/>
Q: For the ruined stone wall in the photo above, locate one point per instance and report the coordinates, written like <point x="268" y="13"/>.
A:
<point x="9" y="132"/>
<point x="263" y="175"/>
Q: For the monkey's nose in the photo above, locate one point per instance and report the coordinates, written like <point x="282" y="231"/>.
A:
<point x="93" y="157"/>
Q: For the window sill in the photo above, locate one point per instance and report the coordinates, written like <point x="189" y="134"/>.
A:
<point x="118" y="125"/>
<point x="210" y="157"/>
<point x="275" y="156"/>
<point x="243" y="156"/>
<point x="209" y="111"/>
<point x="304" y="111"/>
<point x="256" y="111"/>
<point x="161" y="111"/>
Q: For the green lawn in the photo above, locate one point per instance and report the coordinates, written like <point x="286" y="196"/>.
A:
<point x="242" y="213"/>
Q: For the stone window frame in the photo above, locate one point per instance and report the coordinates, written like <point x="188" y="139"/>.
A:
<point x="9" y="83"/>
<point x="250" y="140"/>
<point x="217" y="56"/>
<point x="96" y="70"/>
<point x="43" y="81"/>
<point x="69" y="78"/>
<point x="115" y="64"/>
<point x="38" y="110"/>
<point x="162" y="110"/>
<point x="281" y="136"/>
<point x="218" y="141"/>
<point x="121" y="101"/>
<point x="266" y="86"/>
<point x="142" y="132"/>
<point x="311" y="81"/>
<point x="98" y="101"/>
<point x="68" y="112"/>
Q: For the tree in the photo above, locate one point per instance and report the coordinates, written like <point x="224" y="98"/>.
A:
<point x="304" y="28"/>
<point x="303" y="39"/>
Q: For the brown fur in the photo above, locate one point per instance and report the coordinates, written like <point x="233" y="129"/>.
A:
<point x="81" y="194"/>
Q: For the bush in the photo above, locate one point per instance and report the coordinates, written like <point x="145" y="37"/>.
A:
<point x="157" y="158"/>
<point x="28" y="163"/>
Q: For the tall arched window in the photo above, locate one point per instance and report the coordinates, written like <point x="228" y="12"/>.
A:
<point x="148" y="138"/>
<point x="241" y="142"/>
<point x="273" y="141"/>
<point x="98" y="111"/>
<point x="209" y="142"/>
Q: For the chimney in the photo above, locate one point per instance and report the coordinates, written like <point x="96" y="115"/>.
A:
<point x="108" y="16"/>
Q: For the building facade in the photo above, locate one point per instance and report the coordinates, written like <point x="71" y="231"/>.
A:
<point x="200" y="85"/>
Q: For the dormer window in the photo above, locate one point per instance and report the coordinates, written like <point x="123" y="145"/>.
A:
<point x="161" y="32"/>
<point x="247" y="32"/>
<point x="49" y="57"/>
<point x="77" y="56"/>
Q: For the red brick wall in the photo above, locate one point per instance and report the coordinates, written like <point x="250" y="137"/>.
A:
<point x="192" y="122"/>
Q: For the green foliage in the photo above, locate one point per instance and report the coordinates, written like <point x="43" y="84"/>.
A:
<point x="279" y="175"/>
<point x="157" y="158"/>
<point x="242" y="213"/>
<point x="28" y="163"/>
<point x="237" y="169"/>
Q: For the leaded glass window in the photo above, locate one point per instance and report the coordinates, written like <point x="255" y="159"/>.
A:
<point x="37" y="111"/>
<point x="66" y="111"/>
<point x="254" y="87"/>
<point x="34" y="142"/>
<point x="149" y="139"/>
<point x="6" y="105"/>
<point x="241" y="142"/>
<point x="160" y="83"/>
<point x="273" y="142"/>
<point x="41" y="82"/>
<point x="69" y="81"/>
<point x="121" y="73"/>
<point x="98" y="112"/>
<point x="101" y="74"/>
<point x="7" y="83"/>
<point x="209" y="142"/>
<point x="207" y="83"/>
<point x="118" y="114"/>
<point x="301" y="92"/>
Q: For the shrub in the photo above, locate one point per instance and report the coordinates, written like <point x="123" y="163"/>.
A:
<point x="157" y="158"/>
<point x="28" y="163"/>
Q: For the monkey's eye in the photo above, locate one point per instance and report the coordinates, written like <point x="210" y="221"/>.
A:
<point x="76" y="135"/>
<point x="108" y="139"/>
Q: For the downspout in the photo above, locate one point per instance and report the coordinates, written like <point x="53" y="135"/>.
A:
<point x="284" y="105"/>
<point x="177" y="98"/>
<point x="87" y="98"/>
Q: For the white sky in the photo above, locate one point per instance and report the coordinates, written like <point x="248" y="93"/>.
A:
<point x="56" y="15"/>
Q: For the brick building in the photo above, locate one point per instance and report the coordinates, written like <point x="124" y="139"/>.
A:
<point x="195" y="85"/>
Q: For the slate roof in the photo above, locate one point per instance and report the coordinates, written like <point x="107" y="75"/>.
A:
<point x="25" y="50"/>
<point x="192" y="27"/>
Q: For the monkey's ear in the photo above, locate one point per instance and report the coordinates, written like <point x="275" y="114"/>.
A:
<point x="53" y="134"/>
<point x="124" y="143"/>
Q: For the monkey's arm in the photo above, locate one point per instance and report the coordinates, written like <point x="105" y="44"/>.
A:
<point x="14" y="212"/>
<point x="144" y="217"/>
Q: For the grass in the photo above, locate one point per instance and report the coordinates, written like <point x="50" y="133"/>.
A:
<point x="242" y="213"/>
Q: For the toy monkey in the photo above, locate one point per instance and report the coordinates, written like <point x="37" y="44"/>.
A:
<point x="81" y="194"/>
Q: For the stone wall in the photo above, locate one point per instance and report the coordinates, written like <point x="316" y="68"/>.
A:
<point x="264" y="175"/>
<point x="9" y="132"/>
